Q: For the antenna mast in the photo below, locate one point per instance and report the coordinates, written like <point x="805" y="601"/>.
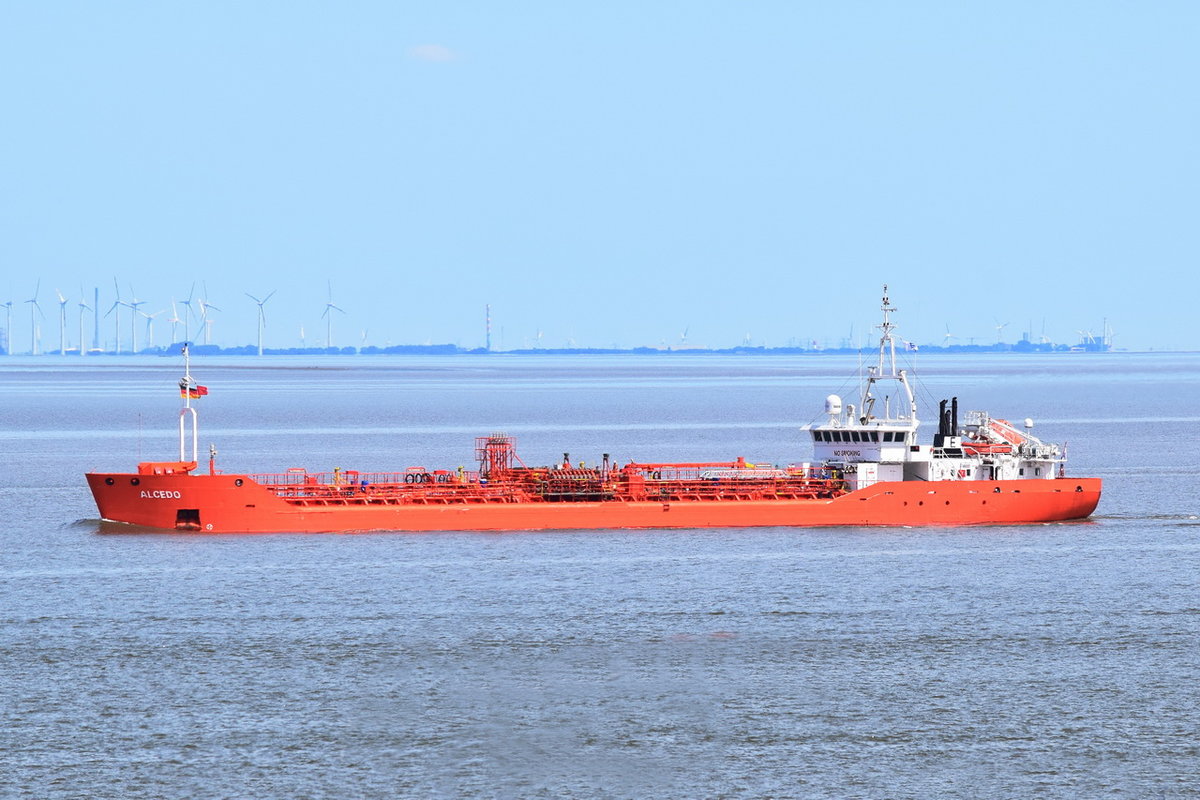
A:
<point x="887" y="358"/>
<point x="887" y="341"/>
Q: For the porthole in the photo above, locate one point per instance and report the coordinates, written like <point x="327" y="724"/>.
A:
<point x="109" y="481"/>
<point x="237" y="482"/>
<point x="135" y="481"/>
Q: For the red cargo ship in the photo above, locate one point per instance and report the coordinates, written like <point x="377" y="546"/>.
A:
<point x="868" y="469"/>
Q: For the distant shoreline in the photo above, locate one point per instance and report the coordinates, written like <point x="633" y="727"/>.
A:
<point x="1021" y="348"/>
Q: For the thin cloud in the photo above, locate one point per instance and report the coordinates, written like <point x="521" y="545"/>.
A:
<point x="432" y="52"/>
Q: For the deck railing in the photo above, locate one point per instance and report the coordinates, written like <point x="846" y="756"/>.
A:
<point x="641" y="481"/>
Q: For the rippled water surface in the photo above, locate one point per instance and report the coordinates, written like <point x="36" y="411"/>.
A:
<point x="1032" y="661"/>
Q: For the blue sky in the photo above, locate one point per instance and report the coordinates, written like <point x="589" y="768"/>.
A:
<point x="614" y="173"/>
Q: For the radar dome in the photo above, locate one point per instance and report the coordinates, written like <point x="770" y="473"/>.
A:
<point x="1028" y="423"/>
<point x="833" y="404"/>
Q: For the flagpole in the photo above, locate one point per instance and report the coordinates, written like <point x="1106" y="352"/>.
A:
<point x="186" y="385"/>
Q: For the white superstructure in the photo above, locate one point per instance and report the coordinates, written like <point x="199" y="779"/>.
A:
<point x="877" y="441"/>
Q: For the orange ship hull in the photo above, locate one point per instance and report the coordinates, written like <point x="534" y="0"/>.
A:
<point x="236" y="503"/>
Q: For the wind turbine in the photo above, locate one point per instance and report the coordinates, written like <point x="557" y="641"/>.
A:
<point x="205" y="322"/>
<point x="62" y="323"/>
<point x="946" y="339"/>
<point x="133" y="312"/>
<point x="262" y="317"/>
<point x="8" y="327"/>
<point x="82" y="307"/>
<point x="95" y="317"/>
<point x="116" y="307"/>
<point x="150" y="327"/>
<point x="174" y="320"/>
<point x="1000" y="326"/>
<point x="33" y="327"/>
<point x="188" y="310"/>
<point x="329" y="318"/>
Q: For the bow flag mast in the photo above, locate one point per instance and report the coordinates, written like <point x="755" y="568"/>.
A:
<point x="185" y="385"/>
<point x="189" y="390"/>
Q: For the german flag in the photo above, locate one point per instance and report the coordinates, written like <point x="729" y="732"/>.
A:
<point x="193" y="392"/>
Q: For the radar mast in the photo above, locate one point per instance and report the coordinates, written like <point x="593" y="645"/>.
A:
<point x="885" y="369"/>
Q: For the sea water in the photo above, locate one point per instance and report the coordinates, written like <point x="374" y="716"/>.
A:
<point x="1058" y="660"/>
